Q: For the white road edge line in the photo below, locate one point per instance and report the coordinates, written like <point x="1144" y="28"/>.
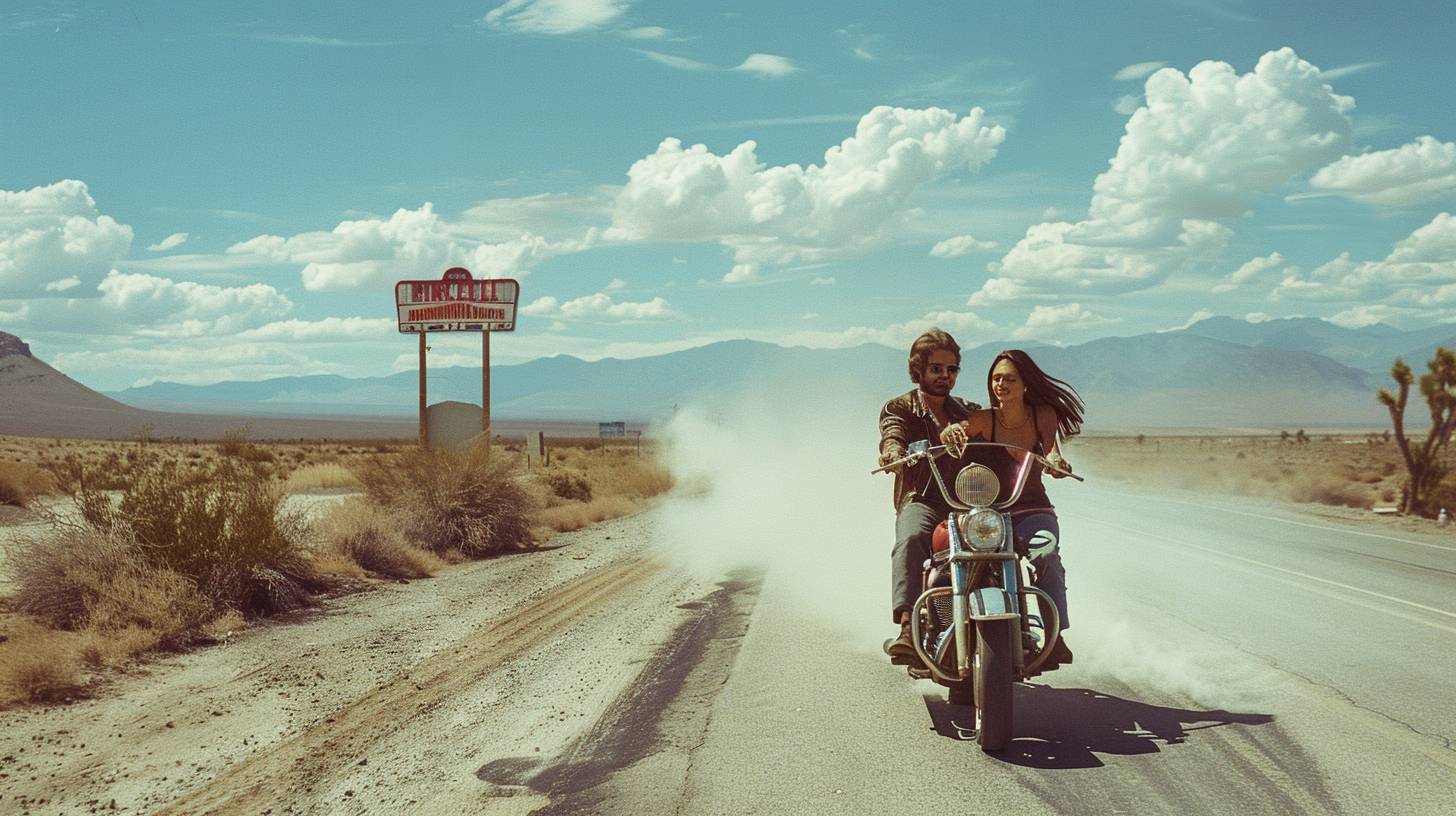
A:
<point x="1297" y="573"/>
<point x="1288" y="521"/>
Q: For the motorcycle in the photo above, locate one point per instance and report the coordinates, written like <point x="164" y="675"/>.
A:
<point x="974" y="626"/>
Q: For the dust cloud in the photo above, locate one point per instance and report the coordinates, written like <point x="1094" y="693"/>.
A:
<point x="1109" y="643"/>
<point x="779" y="479"/>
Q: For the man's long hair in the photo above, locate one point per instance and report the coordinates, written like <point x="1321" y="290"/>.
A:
<point x="927" y="344"/>
<point x="1043" y="389"/>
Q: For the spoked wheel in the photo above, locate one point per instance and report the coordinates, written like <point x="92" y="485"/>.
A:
<point x="993" y="672"/>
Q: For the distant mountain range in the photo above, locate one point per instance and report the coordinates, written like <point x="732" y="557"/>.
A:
<point x="1220" y="372"/>
<point x="37" y="400"/>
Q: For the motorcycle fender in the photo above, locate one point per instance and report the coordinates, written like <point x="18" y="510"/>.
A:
<point x="992" y="603"/>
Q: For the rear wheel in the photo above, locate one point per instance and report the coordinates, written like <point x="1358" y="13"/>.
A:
<point x="994" y="665"/>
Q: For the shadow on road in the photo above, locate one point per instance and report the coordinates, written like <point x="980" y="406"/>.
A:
<point x="1068" y="728"/>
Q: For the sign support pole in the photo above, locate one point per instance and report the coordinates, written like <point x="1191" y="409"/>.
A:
<point x="424" y="428"/>
<point x="485" y="386"/>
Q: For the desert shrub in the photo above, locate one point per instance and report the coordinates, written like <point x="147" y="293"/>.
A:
<point x="1323" y="489"/>
<point x="149" y="609"/>
<point x="235" y="445"/>
<point x="321" y="476"/>
<point x="568" y="517"/>
<point x="220" y="525"/>
<point x="73" y="472"/>
<point x="58" y="575"/>
<point x="630" y="476"/>
<point x="359" y="533"/>
<point x="1443" y="495"/>
<point x="35" y="665"/>
<point x="20" y="482"/>
<point x="569" y="485"/>
<point x="467" y="501"/>
<point x="100" y="580"/>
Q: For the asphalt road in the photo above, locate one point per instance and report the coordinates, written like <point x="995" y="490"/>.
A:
<point x="1232" y="658"/>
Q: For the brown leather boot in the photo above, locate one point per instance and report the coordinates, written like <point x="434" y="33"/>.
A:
<point x="902" y="650"/>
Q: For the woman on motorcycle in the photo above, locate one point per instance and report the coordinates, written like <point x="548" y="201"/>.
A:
<point x="1030" y="409"/>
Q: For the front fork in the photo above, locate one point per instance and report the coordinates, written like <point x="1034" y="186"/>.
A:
<point x="961" y="616"/>
<point x="962" y="580"/>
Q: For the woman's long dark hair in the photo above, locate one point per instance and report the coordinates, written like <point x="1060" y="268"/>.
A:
<point x="1043" y="389"/>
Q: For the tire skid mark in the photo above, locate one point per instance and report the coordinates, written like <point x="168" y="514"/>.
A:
<point x="667" y="708"/>
<point x="285" y="772"/>
<point x="1258" y="768"/>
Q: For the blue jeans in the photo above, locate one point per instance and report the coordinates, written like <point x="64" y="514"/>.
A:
<point x="1039" y="534"/>
<point x="914" y="525"/>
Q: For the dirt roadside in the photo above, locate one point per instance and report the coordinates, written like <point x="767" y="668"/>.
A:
<point x="386" y="701"/>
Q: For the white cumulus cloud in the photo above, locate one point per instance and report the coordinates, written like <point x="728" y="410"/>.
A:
<point x="51" y="234"/>
<point x="1254" y="269"/>
<point x="1197" y="317"/>
<point x="675" y="61"/>
<point x="1195" y="156"/>
<point x="741" y="273"/>
<point x="197" y="362"/>
<point x="375" y="252"/>
<point x="1419" y="272"/>
<point x="1409" y="174"/>
<point x="164" y="307"/>
<point x="1137" y="70"/>
<point x="1369" y="314"/>
<point x="599" y="307"/>
<point x="968" y="328"/>
<point x="63" y="284"/>
<point x="767" y="65"/>
<point x="647" y="33"/>
<point x="1057" y="321"/>
<point x="554" y="16"/>
<point x="847" y="205"/>
<point x="960" y="245"/>
<point x="328" y="329"/>
<point x="172" y="241"/>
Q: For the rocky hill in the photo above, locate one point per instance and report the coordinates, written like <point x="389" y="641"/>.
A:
<point x="37" y="400"/>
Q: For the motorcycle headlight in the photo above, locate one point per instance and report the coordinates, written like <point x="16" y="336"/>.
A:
<point x="977" y="485"/>
<point x="983" y="529"/>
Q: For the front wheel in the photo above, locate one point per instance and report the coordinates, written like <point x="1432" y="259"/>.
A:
<point x="994" y="667"/>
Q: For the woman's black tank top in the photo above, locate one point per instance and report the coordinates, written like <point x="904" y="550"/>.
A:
<point x="1033" y="495"/>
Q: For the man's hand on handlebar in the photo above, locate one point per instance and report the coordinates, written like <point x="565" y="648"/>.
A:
<point x="891" y="454"/>
<point x="954" y="437"/>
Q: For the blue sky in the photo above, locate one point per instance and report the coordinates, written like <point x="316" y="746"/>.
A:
<point x="194" y="192"/>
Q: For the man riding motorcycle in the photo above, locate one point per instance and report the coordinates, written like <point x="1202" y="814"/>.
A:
<point x="921" y="413"/>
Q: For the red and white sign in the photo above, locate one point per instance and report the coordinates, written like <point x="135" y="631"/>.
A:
<point x="457" y="302"/>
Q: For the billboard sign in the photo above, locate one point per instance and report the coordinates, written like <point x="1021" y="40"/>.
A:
<point x="606" y="429"/>
<point x="457" y="302"/>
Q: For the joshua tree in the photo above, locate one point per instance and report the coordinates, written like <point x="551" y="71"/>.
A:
<point x="1423" y="464"/>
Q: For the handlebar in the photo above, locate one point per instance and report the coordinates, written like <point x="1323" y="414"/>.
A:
<point x="932" y="452"/>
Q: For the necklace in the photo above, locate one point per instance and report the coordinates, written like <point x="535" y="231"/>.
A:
<point x="1001" y="419"/>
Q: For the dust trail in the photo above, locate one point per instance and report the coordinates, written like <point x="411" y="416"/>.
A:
<point x="1135" y="653"/>
<point x="780" y="478"/>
